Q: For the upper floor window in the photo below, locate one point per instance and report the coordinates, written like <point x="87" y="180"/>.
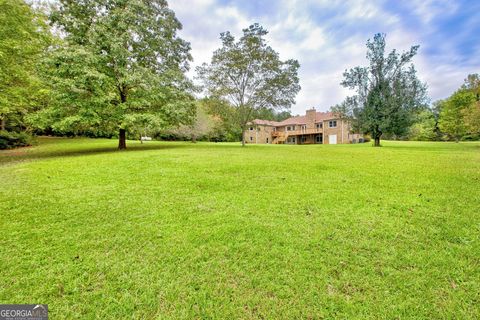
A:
<point x="289" y="128"/>
<point x="332" y="123"/>
<point x="251" y="128"/>
<point x="319" y="125"/>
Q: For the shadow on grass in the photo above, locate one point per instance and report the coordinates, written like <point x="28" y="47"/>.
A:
<point x="433" y="146"/>
<point x="77" y="149"/>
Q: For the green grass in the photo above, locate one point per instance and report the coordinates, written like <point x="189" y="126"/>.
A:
<point x="180" y="230"/>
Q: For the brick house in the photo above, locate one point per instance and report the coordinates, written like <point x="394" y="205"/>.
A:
<point x="312" y="128"/>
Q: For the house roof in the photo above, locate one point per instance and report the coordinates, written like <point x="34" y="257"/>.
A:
<point x="319" y="116"/>
<point x="266" y="122"/>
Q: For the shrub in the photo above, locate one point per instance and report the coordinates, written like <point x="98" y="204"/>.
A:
<point x="10" y="140"/>
<point x="471" y="137"/>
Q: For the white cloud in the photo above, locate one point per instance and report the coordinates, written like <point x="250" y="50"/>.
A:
<point x="328" y="37"/>
<point x="427" y="10"/>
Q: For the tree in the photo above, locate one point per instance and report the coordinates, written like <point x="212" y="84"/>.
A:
<point x="471" y="116"/>
<point x="201" y="128"/>
<point x="452" y="115"/>
<point x="121" y="66"/>
<point x="272" y="114"/>
<point x="472" y="83"/>
<point x="250" y="75"/>
<point x="226" y="119"/>
<point x="472" y="112"/>
<point x="424" y="128"/>
<point x="388" y="90"/>
<point x="23" y="37"/>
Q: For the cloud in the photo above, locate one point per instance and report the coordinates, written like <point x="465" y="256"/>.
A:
<point x="328" y="37"/>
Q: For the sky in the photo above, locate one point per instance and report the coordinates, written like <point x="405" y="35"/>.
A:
<point x="327" y="37"/>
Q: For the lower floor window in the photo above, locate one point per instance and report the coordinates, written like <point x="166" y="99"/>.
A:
<point x="251" y="138"/>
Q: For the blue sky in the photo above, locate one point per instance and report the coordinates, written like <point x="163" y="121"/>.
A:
<point x="327" y="37"/>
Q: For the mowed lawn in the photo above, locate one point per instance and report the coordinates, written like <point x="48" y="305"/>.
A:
<point x="174" y="230"/>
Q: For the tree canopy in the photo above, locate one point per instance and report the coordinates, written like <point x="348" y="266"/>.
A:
<point x="250" y="75"/>
<point x="387" y="91"/>
<point x="460" y="114"/>
<point x="120" y="65"/>
<point x="24" y="37"/>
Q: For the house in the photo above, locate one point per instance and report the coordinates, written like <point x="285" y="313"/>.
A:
<point x="312" y="128"/>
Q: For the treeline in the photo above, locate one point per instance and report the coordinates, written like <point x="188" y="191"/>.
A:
<point x="117" y="69"/>
<point x="216" y="120"/>
<point x="456" y="118"/>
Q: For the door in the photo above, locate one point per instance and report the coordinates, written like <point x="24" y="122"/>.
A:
<point x="332" y="139"/>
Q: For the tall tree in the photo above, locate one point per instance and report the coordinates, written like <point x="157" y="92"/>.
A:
<point x="24" y="36"/>
<point x="250" y="75"/>
<point x="121" y="64"/>
<point x="387" y="91"/>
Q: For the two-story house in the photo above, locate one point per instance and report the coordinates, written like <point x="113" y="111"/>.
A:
<point x="312" y="128"/>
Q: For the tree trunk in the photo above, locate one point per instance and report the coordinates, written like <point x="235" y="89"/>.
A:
<point x="2" y="124"/>
<point x="122" y="143"/>
<point x="377" y="142"/>
<point x="243" y="137"/>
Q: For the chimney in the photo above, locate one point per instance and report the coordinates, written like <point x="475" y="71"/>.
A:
<point x="310" y="117"/>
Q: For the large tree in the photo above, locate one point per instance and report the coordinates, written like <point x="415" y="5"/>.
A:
<point x="121" y="65"/>
<point x="387" y="91"/>
<point x="250" y="75"/>
<point x="23" y="37"/>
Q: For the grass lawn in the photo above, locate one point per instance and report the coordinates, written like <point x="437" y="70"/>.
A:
<point x="180" y="230"/>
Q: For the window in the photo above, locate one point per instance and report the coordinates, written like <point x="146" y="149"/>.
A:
<point x="251" y="138"/>
<point x="267" y="140"/>
<point x="318" y="139"/>
<point x="289" y="128"/>
<point x="319" y="125"/>
<point x="293" y="140"/>
<point x="332" y="123"/>
<point x="251" y="128"/>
